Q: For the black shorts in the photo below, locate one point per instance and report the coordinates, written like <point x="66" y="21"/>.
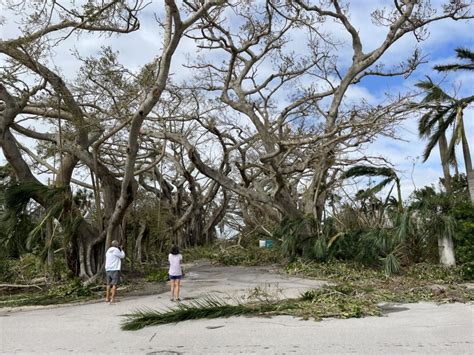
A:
<point x="113" y="277"/>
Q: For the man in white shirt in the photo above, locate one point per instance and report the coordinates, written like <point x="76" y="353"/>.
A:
<point x="113" y="263"/>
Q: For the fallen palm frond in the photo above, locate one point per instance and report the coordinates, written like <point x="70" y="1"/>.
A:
<point x="314" y="304"/>
<point x="209" y="307"/>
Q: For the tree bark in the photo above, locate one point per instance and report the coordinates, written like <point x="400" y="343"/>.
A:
<point x="467" y="162"/>
<point x="443" y="152"/>
<point x="446" y="251"/>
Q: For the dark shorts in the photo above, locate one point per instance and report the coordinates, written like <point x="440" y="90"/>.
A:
<point x="175" y="277"/>
<point x="113" y="277"/>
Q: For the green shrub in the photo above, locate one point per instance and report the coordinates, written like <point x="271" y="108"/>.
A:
<point x="248" y="256"/>
<point x="156" y="275"/>
<point x="24" y="269"/>
<point x="207" y="252"/>
<point x="464" y="238"/>
<point x="6" y="274"/>
<point x="434" y="272"/>
<point x="332" y="269"/>
<point x="298" y="237"/>
<point x="71" y="289"/>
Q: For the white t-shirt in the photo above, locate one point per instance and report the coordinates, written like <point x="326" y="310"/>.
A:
<point x="175" y="264"/>
<point x="113" y="259"/>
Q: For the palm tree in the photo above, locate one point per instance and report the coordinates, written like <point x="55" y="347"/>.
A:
<point x="431" y="123"/>
<point x="445" y="111"/>
<point x="377" y="238"/>
<point x="389" y="176"/>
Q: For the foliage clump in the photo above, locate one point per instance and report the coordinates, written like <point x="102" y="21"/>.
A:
<point x="65" y="292"/>
<point x="250" y="256"/>
<point x="156" y="274"/>
<point x="355" y="291"/>
<point x="464" y="238"/>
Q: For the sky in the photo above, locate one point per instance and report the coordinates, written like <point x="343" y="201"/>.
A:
<point x="141" y="47"/>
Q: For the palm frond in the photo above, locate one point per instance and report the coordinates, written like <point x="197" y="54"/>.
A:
<point x="436" y="135"/>
<point x="320" y="248"/>
<point x="403" y="226"/>
<point x="391" y="265"/>
<point x="377" y="188"/>
<point x="53" y="211"/>
<point x="334" y="238"/>
<point x="362" y="170"/>
<point x="430" y="120"/>
<point x="209" y="307"/>
<point x="434" y="93"/>
<point x="463" y="54"/>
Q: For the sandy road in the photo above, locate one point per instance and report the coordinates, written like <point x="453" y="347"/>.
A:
<point x="95" y="327"/>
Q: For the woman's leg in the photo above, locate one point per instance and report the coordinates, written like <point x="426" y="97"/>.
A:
<point x="172" y="283"/>
<point x="176" y="289"/>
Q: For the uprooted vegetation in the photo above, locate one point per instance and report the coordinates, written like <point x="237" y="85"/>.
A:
<point x="354" y="291"/>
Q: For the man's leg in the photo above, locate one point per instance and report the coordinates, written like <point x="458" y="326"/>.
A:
<point x="108" y="280"/>
<point x="112" y="299"/>
<point x="107" y="293"/>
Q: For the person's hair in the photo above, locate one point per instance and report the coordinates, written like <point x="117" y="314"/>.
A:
<point x="114" y="243"/>
<point x="174" y="250"/>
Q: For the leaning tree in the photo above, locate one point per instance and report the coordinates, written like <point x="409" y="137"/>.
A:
<point x="286" y="116"/>
<point x="85" y="119"/>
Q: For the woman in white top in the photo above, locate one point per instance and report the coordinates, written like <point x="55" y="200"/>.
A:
<point x="175" y="272"/>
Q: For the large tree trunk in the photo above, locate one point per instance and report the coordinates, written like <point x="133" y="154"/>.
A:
<point x="139" y="243"/>
<point x="49" y="243"/>
<point x="79" y="247"/>
<point x="446" y="251"/>
<point x="470" y="184"/>
<point x="443" y="152"/>
<point x="468" y="164"/>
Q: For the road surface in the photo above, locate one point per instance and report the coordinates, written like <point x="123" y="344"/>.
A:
<point x="94" y="328"/>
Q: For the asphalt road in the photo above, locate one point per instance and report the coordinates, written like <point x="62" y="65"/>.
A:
<point x="422" y="328"/>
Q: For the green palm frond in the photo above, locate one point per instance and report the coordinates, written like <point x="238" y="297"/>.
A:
<point x="432" y="142"/>
<point x="297" y="235"/>
<point x="362" y="170"/>
<point x="463" y="54"/>
<point x="430" y="120"/>
<point x="209" y="307"/>
<point x="404" y="221"/>
<point x="391" y="265"/>
<point x="436" y="134"/>
<point x="53" y="211"/>
<point x="433" y="92"/>
<point x="18" y="195"/>
<point x="377" y="188"/>
<point x="320" y="248"/>
<point x="335" y="238"/>
<point x="454" y="67"/>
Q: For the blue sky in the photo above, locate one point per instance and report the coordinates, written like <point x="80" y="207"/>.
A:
<point x="141" y="47"/>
